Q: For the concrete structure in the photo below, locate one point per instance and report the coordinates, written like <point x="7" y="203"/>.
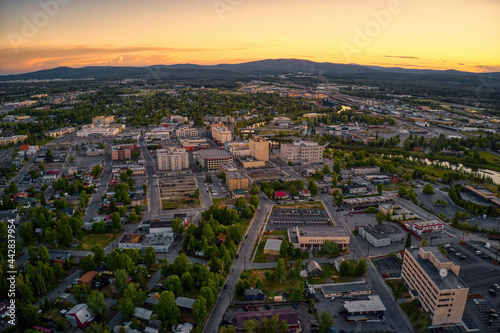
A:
<point x="386" y="208"/>
<point x="103" y="120"/>
<point x="250" y="162"/>
<point x="365" y="170"/>
<point x="272" y="247"/>
<point x="302" y="151"/>
<point x="210" y="159"/>
<point x="172" y="159"/>
<point x="281" y="121"/>
<point x="100" y="130"/>
<point x="259" y="148"/>
<point x="160" y="133"/>
<point x="433" y="279"/>
<point x="364" y="202"/>
<point x="427" y="226"/>
<point x="235" y="180"/>
<point x="124" y="152"/>
<point x="80" y="316"/>
<point x="379" y="235"/>
<point x="131" y="241"/>
<point x="187" y="132"/>
<point x="6" y="140"/>
<point x="349" y="289"/>
<point x="356" y="189"/>
<point x="313" y="237"/>
<point x="59" y="132"/>
<point x="221" y="134"/>
<point x="371" y="309"/>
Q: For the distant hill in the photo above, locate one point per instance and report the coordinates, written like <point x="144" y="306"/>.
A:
<point x="262" y="67"/>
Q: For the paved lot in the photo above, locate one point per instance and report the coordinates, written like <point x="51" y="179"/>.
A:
<point x="217" y="188"/>
<point x="389" y="265"/>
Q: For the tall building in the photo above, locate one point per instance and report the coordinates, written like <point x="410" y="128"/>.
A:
<point x="124" y="152"/>
<point x="172" y="159"/>
<point x="221" y="133"/>
<point x="302" y="151"/>
<point x="187" y="132"/>
<point x="210" y="159"/>
<point x="433" y="279"/>
<point x="259" y="148"/>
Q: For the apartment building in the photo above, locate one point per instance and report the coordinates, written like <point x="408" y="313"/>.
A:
<point x="235" y="180"/>
<point x="124" y="152"/>
<point x="59" y="132"/>
<point x="302" y="151"/>
<point x="210" y="159"/>
<point x="172" y="159"/>
<point x="103" y="120"/>
<point x="312" y="237"/>
<point x="187" y="132"/>
<point x="259" y="148"/>
<point x="221" y="133"/>
<point x="433" y="279"/>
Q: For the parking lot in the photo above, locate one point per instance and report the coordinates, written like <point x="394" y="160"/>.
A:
<point x="216" y="188"/>
<point x="389" y="266"/>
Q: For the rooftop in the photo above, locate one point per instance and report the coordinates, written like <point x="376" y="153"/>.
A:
<point x="207" y="154"/>
<point x="132" y="238"/>
<point x="373" y="303"/>
<point x="322" y="231"/>
<point x="273" y="244"/>
<point x="381" y="231"/>
<point x="345" y="287"/>
<point x="185" y="302"/>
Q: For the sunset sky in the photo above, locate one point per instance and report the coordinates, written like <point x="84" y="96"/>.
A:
<point x="437" y="34"/>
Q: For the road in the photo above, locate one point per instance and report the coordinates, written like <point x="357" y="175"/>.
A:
<point x="153" y="189"/>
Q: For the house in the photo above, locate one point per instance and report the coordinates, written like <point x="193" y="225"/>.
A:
<point x="272" y="247"/>
<point x="253" y="294"/>
<point x="356" y="189"/>
<point x="281" y="195"/>
<point x="6" y="215"/>
<point x="185" y="304"/>
<point x="80" y="316"/>
<point x="142" y="314"/>
<point x="314" y="269"/>
<point x="87" y="278"/>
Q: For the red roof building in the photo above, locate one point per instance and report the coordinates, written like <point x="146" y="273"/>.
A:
<point x="280" y="195"/>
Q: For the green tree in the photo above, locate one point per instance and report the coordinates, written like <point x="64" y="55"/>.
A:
<point x="174" y="285"/>
<point x="116" y="221"/>
<point x="254" y="200"/>
<point x="30" y="315"/>
<point x="425" y="243"/>
<point x="428" y="189"/>
<point x="166" y="309"/>
<point x="330" y="248"/>
<point x="281" y="270"/>
<point x="121" y="277"/>
<point x="99" y="254"/>
<point x="87" y="264"/>
<point x="150" y="256"/>
<point x="408" y="241"/>
<point x="313" y="187"/>
<point x="43" y="253"/>
<point x="361" y="267"/>
<point x="200" y="309"/>
<point x="380" y="217"/>
<point x="187" y="281"/>
<point x="49" y="155"/>
<point x="132" y="217"/>
<point x="326" y="169"/>
<point x="254" y="190"/>
<point x="250" y="326"/>
<point x="127" y="307"/>
<point x="380" y="189"/>
<point x="325" y="322"/>
<point x="96" y="304"/>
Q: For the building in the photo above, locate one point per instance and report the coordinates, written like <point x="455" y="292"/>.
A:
<point x="281" y="121"/>
<point x="131" y="241"/>
<point x="369" y="170"/>
<point x="386" y="208"/>
<point x="433" y="279"/>
<point x="87" y="278"/>
<point x="281" y="195"/>
<point x="379" y="235"/>
<point x="272" y="247"/>
<point x="221" y="134"/>
<point x="7" y="215"/>
<point x="99" y="130"/>
<point x="314" y="269"/>
<point x="187" y="132"/>
<point x="80" y="316"/>
<point x="219" y="119"/>
<point x="28" y="150"/>
<point x="6" y="140"/>
<point x="364" y="202"/>
<point x="371" y="309"/>
<point x="259" y="148"/>
<point x="284" y="219"/>
<point x="124" y="152"/>
<point x="349" y="289"/>
<point x="427" y="226"/>
<point x="185" y="303"/>
<point x="235" y="180"/>
<point x="253" y="294"/>
<point x="210" y="159"/>
<point x="250" y="162"/>
<point x="291" y="316"/>
<point x="356" y="189"/>
<point x="59" y="132"/>
<point x="313" y="237"/>
<point x="302" y="151"/>
<point x="103" y="120"/>
<point x="172" y="159"/>
<point x="160" y="133"/>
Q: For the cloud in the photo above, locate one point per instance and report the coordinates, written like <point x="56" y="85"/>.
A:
<point x="401" y="57"/>
<point x="487" y="68"/>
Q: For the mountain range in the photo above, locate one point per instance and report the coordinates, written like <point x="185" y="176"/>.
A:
<point x="262" y="67"/>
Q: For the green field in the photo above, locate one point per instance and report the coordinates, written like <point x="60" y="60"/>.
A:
<point x="398" y="288"/>
<point x="89" y="240"/>
<point x="419" y="320"/>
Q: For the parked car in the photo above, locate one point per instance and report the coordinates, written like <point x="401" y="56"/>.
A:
<point x="295" y="305"/>
<point x="492" y="292"/>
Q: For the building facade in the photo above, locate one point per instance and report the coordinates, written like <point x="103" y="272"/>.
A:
<point x="302" y="151"/>
<point x="433" y="279"/>
<point x="313" y="237"/>
<point x="172" y="159"/>
<point x="124" y="152"/>
<point x="221" y="133"/>
<point x="210" y="159"/>
<point x="103" y="120"/>
<point x="259" y="148"/>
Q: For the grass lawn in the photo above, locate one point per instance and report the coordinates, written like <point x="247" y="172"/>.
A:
<point x="490" y="157"/>
<point x="398" y="288"/>
<point x="89" y="240"/>
<point x="419" y="320"/>
<point x="302" y="205"/>
<point x="43" y="142"/>
<point x="272" y="288"/>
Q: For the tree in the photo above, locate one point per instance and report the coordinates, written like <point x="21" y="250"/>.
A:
<point x="380" y="189"/>
<point x="380" y="217"/>
<point x="99" y="255"/>
<point x="425" y="243"/>
<point x="254" y="200"/>
<point x="330" y="248"/>
<point x="144" y="187"/>
<point x="325" y="322"/>
<point x="259" y="284"/>
<point x="187" y="281"/>
<point x="361" y="267"/>
<point x="250" y="326"/>
<point x="49" y="155"/>
<point x="127" y="307"/>
<point x="166" y="309"/>
<point x="58" y="271"/>
<point x="428" y="189"/>
<point x="254" y="190"/>
<point x="174" y="285"/>
<point x="132" y="217"/>
<point x="84" y="199"/>
<point x="121" y="277"/>
<point x="326" y="169"/>
<point x="43" y="253"/>
<point x="72" y="159"/>
<point x="87" y="264"/>
<point x="177" y="226"/>
<point x="30" y="315"/>
<point x="150" y="256"/>
<point x="281" y="270"/>
<point x="371" y="210"/>
<point x="96" y="304"/>
<point x="200" y="309"/>
<point x="116" y="221"/>
<point x="408" y="241"/>
<point x="313" y="187"/>
<point x="283" y="326"/>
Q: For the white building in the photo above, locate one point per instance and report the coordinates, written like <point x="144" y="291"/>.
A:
<point x="302" y="151"/>
<point x="187" y="132"/>
<point x="172" y="159"/>
<point x="159" y="133"/>
<point x="427" y="226"/>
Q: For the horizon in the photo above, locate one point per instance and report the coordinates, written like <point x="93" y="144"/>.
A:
<point x="386" y="33"/>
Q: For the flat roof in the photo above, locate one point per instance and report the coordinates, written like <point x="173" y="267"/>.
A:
<point x="185" y="302"/>
<point x="321" y="231"/>
<point x="273" y="244"/>
<point x="207" y="154"/>
<point x="373" y="303"/>
<point x="381" y="231"/>
<point x="132" y="238"/>
<point x="235" y="175"/>
<point x="451" y="281"/>
<point x="345" y="287"/>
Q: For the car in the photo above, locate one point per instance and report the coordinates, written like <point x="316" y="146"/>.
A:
<point x="332" y="299"/>
<point x="492" y="292"/>
<point x="463" y="257"/>
<point x="496" y="286"/>
<point x="490" y="311"/>
<point x="447" y="246"/>
<point x="256" y="308"/>
<point x="268" y="307"/>
<point x="478" y="253"/>
<point x="314" y="324"/>
<point x="493" y="315"/>
<point x="486" y="257"/>
<point x="458" y="254"/>
<point x="295" y="305"/>
<point x="247" y="308"/>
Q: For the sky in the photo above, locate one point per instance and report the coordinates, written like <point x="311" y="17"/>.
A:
<point x="431" y="34"/>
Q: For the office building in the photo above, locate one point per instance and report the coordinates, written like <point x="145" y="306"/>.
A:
<point x="172" y="159"/>
<point x="302" y="151"/>
<point x="433" y="280"/>
<point x="124" y="152"/>
<point x="221" y="133"/>
<point x="379" y="235"/>
<point x="235" y="180"/>
<point x="259" y="148"/>
<point x="312" y="237"/>
<point x="426" y="227"/>
<point x="210" y="159"/>
<point x="103" y="120"/>
<point x="187" y="132"/>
